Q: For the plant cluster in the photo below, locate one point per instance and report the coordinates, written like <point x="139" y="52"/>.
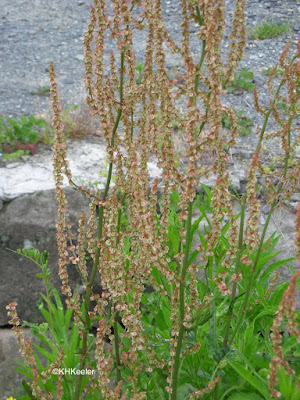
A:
<point x="267" y="30"/>
<point x="244" y="123"/>
<point x="184" y="312"/>
<point x="139" y="73"/>
<point x="41" y="91"/>
<point x="267" y="71"/>
<point x="20" y="136"/>
<point x="242" y="82"/>
<point x="78" y="121"/>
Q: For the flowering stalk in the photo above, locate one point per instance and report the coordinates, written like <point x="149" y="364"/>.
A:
<point x="175" y="372"/>
<point x="96" y="260"/>
<point x="286" y="310"/>
<point x="25" y="349"/>
<point x="275" y="199"/>
<point x="237" y="271"/>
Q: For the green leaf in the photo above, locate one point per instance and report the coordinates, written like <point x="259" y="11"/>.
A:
<point x="274" y="241"/>
<point x="249" y="341"/>
<point x="28" y="390"/>
<point x="174" y="198"/>
<point x="24" y="372"/>
<point x="184" y="391"/>
<point x="207" y="191"/>
<point x="262" y="261"/>
<point x="195" y="226"/>
<point x="269" y="311"/>
<point x="49" y="356"/>
<point x="245" y="396"/>
<point x="162" y="320"/>
<point x="42" y="276"/>
<point x="292" y="270"/>
<point x="127" y="246"/>
<point x="284" y="382"/>
<point x="174" y="220"/>
<point x="68" y="316"/>
<point x="44" y="338"/>
<point x="258" y="384"/>
<point x="44" y="257"/>
<point x="278" y="293"/>
<point x="157" y="275"/>
<point x="173" y="241"/>
<point x="30" y="252"/>
<point x="273" y="267"/>
<point x="193" y="256"/>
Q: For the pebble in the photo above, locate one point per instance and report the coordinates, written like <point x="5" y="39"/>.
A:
<point x="79" y="57"/>
<point x="69" y="81"/>
<point x="295" y="197"/>
<point x="262" y="220"/>
<point x="245" y="153"/>
<point x="265" y="209"/>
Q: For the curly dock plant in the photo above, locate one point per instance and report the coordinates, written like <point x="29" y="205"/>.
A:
<point x="170" y="334"/>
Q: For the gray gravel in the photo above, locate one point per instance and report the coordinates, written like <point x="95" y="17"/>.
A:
<point x="34" y="32"/>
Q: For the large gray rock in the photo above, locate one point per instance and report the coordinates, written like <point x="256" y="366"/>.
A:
<point x="30" y="220"/>
<point x="10" y="379"/>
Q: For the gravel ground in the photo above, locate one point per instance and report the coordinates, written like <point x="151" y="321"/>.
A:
<point x="34" y="32"/>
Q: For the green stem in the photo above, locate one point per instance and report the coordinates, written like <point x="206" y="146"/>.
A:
<point x="50" y="315"/>
<point x="249" y="287"/>
<point x="230" y="390"/>
<point x="116" y="326"/>
<point x="173" y="395"/>
<point x="117" y="348"/>
<point x="199" y="66"/>
<point x="237" y="269"/>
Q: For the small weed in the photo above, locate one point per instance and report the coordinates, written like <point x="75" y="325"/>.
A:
<point x="266" y="71"/>
<point x="78" y="121"/>
<point x="292" y="162"/>
<point x="175" y="125"/>
<point x="179" y="77"/>
<point x="283" y="108"/>
<point x="20" y="136"/>
<point x="139" y="73"/>
<point x="41" y="91"/>
<point x="245" y="124"/>
<point x="242" y="81"/>
<point x="267" y="30"/>
<point x="272" y="167"/>
<point x="15" y="156"/>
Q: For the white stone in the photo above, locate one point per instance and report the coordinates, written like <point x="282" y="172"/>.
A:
<point x="87" y="162"/>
